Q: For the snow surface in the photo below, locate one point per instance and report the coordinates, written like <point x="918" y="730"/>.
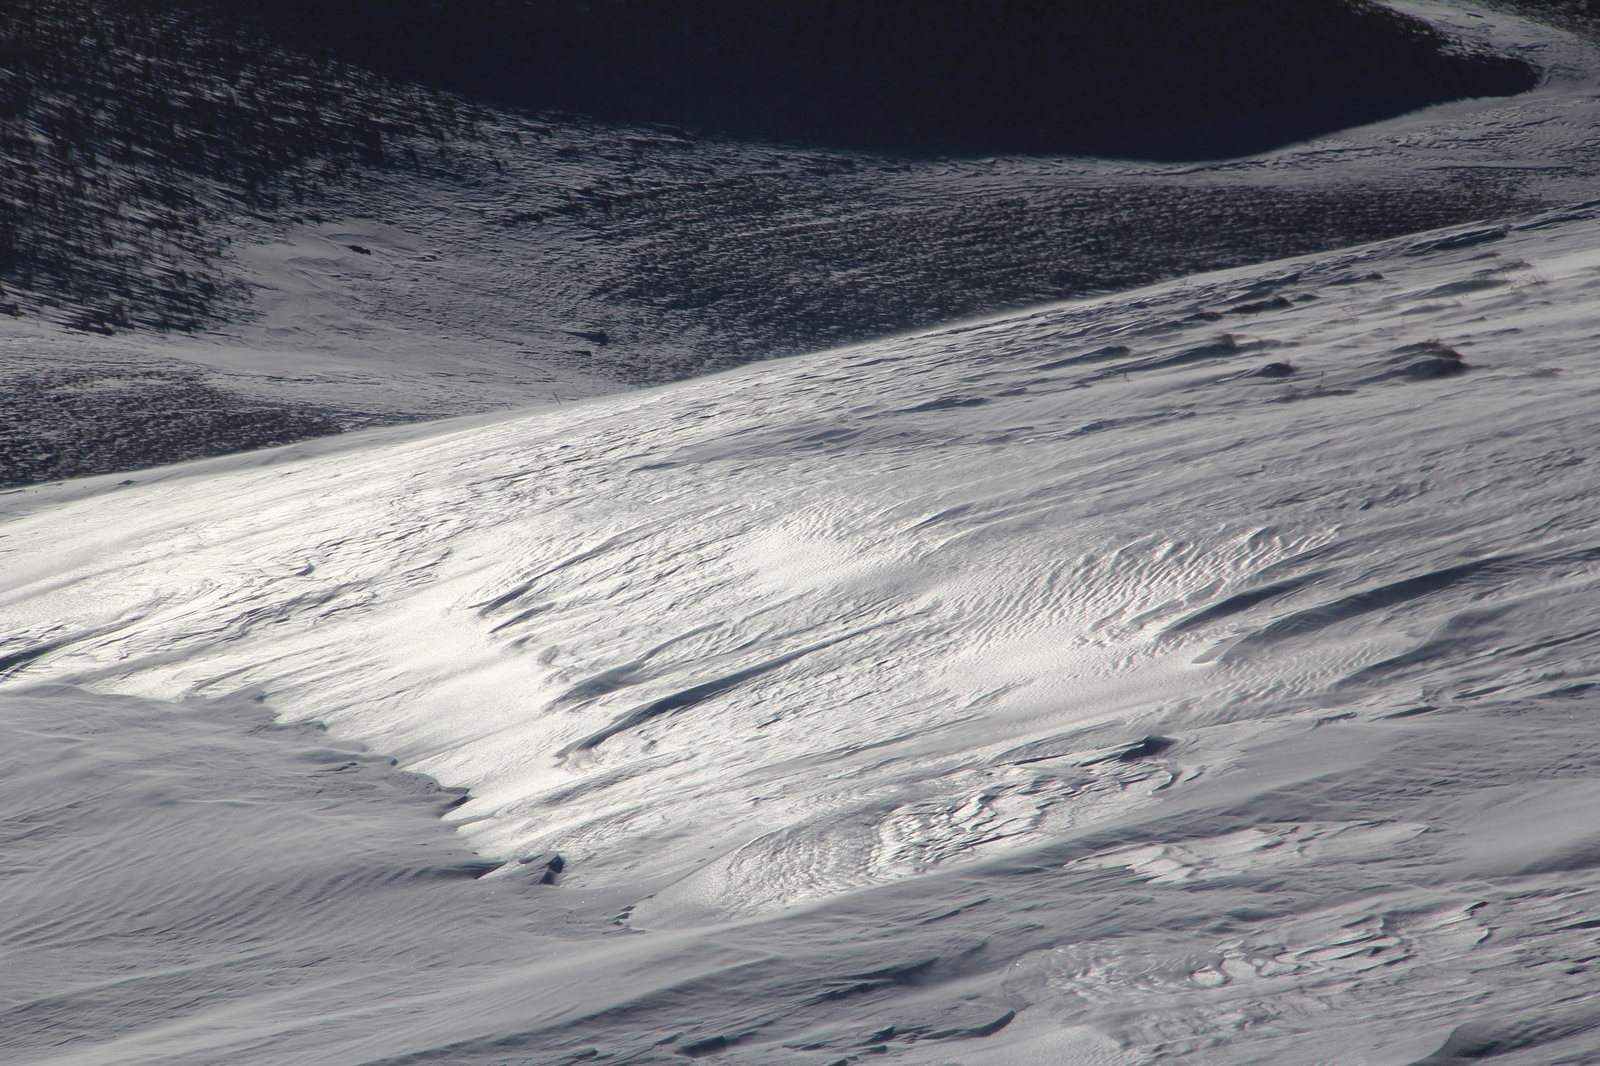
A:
<point x="1198" y="673"/>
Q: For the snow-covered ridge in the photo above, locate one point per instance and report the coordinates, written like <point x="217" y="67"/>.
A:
<point x="1281" y="572"/>
<point x="913" y="588"/>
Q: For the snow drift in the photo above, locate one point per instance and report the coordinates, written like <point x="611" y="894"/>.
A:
<point x="1201" y="670"/>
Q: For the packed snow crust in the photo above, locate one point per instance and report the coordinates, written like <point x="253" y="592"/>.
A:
<point x="1197" y="673"/>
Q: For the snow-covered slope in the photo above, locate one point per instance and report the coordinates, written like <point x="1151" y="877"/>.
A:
<point x="1201" y="672"/>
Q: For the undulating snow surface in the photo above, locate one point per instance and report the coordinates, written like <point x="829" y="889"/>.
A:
<point x="560" y="258"/>
<point x="1198" y="674"/>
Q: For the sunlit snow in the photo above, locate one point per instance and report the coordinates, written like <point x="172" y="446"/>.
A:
<point x="1197" y="671"/>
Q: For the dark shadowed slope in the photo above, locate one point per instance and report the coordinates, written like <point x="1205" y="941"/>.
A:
<point x="379" y="249"/>
<point x="133" y="136"/>
<point x="130" y="132"/>
<point x="1157" y="79"/>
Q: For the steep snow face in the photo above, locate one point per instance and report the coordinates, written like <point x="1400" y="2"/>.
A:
<point x="1275" y="584"/>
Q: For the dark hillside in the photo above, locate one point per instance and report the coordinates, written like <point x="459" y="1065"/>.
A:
<point x="144" y="143"/>
<point x="817" y="274"/>
<point x="1579" y="16"/>
<point x="134" y="134"/>
<point x="1158" y="79"/>
<point x="128" y="131"/>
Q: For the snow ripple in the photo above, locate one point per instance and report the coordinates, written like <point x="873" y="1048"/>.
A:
<point x="778" y="648"/>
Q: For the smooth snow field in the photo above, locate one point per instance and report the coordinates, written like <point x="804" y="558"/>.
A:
<point x="1201" y="674"/>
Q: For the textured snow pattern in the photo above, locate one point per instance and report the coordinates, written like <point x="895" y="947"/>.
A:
<point x="1193" y="672"/>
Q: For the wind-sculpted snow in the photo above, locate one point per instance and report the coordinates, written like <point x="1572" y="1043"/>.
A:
<point x="1158" y="676"/>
